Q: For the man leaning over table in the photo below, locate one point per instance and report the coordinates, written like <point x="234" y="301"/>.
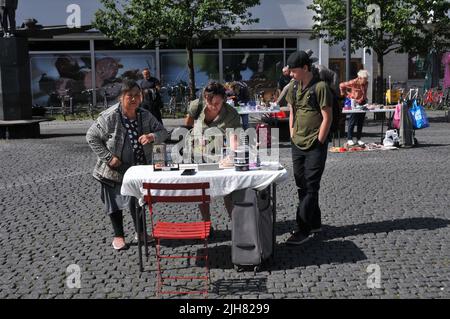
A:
<point x="211" y="110"/>
<point x="122" y="136"/>
<point x="310" y="121"/>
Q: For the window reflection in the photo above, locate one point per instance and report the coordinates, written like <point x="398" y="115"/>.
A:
<point x="54" y="75"/>
<point x="259" y="69"/>
<point x="112" y="67"/>
<point x="174" y="69"/>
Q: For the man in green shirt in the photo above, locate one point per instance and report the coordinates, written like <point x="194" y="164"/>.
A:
<point x="310" y="102"/>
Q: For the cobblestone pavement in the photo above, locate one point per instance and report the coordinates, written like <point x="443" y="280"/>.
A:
<point x="389" y="208"/>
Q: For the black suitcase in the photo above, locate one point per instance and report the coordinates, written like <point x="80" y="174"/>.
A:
<point x="253" y="235"/>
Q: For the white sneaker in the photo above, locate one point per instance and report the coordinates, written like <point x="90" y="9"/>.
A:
<point x="361" y="143"/>
<point x="350" y="143"/>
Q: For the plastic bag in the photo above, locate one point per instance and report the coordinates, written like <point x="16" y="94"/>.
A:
<point x="419" y="117"/>
<point x="396" y="117"/>
<point x="391" y="138"/>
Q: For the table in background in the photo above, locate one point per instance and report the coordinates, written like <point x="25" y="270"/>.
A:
<point x="357" y="111"/>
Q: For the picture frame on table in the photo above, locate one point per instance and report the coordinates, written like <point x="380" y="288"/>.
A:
<point x="161" y="160"/>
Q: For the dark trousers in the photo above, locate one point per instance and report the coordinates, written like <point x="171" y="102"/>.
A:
<point x="155" y="108"/>
<point x="117" y="219"/>
<point x="5" y="14"/>
<point x="358" y="120"/>
<point x="308" y="169"/>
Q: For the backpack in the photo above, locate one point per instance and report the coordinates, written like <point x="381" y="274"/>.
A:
<point x="337" y="110"/>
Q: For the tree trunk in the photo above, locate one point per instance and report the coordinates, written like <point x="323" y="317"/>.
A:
<point x="190" y="63"/>
<point x="380" y="79"/>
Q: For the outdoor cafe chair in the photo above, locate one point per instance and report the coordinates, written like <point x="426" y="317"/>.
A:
<point x="180" y="230"/>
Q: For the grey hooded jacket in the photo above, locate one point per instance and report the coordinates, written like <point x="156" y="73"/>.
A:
<point x="107" y="135"/>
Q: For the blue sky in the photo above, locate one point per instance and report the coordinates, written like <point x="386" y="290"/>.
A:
<point x="53" y="12"/>
<point x="273" y="14"/>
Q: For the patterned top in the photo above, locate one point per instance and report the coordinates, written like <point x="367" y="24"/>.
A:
<point x="132" y="130"/>
<point x="358" y="91"/>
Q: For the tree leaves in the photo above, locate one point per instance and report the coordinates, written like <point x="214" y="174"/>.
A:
<point x="402" y="24"/>
<point x="141" y="22"/>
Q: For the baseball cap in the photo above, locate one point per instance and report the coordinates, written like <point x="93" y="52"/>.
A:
<point x="298" y="60"/>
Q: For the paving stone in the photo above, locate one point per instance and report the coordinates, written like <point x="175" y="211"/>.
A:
<point x="375" y="211"/>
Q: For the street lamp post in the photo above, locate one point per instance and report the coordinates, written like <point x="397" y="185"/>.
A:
<point x="348" y="39"/>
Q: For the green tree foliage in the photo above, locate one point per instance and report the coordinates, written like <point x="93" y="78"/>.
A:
<point x="398" y="25"/>
<point x="190" y="22"/>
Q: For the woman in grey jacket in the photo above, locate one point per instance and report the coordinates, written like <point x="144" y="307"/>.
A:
<point x="121" y="137"/>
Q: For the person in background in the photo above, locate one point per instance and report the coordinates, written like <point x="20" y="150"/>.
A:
<point x="240" y="94"/>
<point x="282" y="86"/>
<point x="123" y="136"/>
<point x="356" y="89"/>
<point x="151" y="88"/>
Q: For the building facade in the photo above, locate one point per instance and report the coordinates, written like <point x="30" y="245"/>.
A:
<point x="256" y="55"/>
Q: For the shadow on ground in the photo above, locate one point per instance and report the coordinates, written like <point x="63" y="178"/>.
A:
<point x="332" y="232"/>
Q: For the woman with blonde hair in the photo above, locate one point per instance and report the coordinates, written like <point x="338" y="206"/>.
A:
<point x="356" y="89"/>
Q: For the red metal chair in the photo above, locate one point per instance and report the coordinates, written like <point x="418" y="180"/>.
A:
<point x="162" y="230"/>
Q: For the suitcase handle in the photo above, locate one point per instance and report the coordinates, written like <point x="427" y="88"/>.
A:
<point x="246" y="246"/>
<point x="243" y="204"/>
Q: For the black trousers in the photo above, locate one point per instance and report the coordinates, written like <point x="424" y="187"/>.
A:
<point x="358" y="120"/>
<point x="308" y="169"/>
<point x="5" y="14"/>
<point x="117" y="219"/>
<point x="154" y="106"/>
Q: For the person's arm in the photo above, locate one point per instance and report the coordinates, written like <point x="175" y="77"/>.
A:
<point x="325" y="100"/>
<point x="283" y="93"/>
<point x="158" y="134"/>
<point x="189" y="121"/>
<point x="344" y="86"/>
<point x="96" y="139"/>
<point x="327" y="115"/>
<point x="158" y="85"/>
<point x="192" y="113"/>
<point x="291" y="120"/>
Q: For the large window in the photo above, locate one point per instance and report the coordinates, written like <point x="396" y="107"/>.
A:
<point x="112" y="67"/>
<point x="259" y="69"/>
<point x="174" y="68"/>
<point x="257" y="61"/>
<point x="419" y="64"/>
<point x="54" y="74"/>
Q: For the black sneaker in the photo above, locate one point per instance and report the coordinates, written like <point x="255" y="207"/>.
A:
<point x="298" y="238"/>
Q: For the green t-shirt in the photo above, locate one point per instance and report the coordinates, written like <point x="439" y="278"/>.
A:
<point x="228" y="116"/>
<point x="307" y="114"/>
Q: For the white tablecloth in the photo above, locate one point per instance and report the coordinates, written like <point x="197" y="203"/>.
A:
<point x="245" y="110"/>
<point x="368" y="111"/>
<point x="222" y="182"/>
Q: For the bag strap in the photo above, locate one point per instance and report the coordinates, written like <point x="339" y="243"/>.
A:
<point x="294" y="88"/>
